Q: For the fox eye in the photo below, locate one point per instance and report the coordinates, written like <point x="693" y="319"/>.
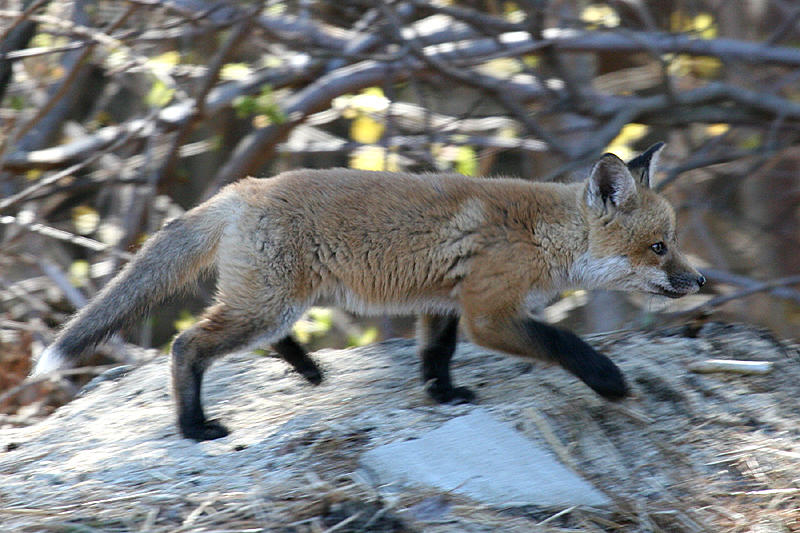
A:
<point x="659" y="248"/>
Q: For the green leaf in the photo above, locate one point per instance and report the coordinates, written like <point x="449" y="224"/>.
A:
<point x="264" y="107"/>
<point x="244" y="106"/>
<point x="316" y="322"/>
<point x="185" y="320"/>
<point x="159" y="95"/>
<point x="466" y="162"/>
<point x="17" y="102"/>
<point x="368" y="336"/>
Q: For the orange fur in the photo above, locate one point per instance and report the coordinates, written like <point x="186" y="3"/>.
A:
<point x="380" y="242"/>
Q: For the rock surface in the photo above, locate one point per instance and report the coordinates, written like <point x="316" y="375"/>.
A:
<point x="689" y="452"/>
<point x="481" y="458"/>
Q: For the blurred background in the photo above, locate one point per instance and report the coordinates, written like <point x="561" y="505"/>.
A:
<point x="116" y="115"/>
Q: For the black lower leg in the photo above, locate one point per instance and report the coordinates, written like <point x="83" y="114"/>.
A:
<point x="437" y="344"/>
<point x="295" y="355"/>
<point x="191" y="419"/>
<point x="187" y="381"/>
<point x="576" y="356"/>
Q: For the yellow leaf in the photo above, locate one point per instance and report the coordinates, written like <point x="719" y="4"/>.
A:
<point x="364" y="129"/>
<point x="79" y="273"/>
<point x="702" y="24"/>
<point x="373" y="158"/>
<point x="343" y="105"/>
<point x="301" y="331"/>
<point x="512" y="12"/>
<point x="630" y="133"/>
<point x="33" y="174"/>
<point x="43" y="40"/>
<point x="531" y="60"/>
<point x="717" y="129"/>
<point x="110" y="233"/>
<point x="86" y="219"/>
<point x="501" y="67"/>
<point x="234" y="71"/>
<point x="702" y="66"/>
<point x="706" y="66"/>
<point x="600" y="16"/>
<point x="165" y="60"/>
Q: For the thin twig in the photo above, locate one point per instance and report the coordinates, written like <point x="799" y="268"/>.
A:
<point x="707" y="306"/>
<point x="62" y="235"/>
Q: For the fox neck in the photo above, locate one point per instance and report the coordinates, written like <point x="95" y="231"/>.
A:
<point x="581" y="269"/>
<point x="560" y="231"/>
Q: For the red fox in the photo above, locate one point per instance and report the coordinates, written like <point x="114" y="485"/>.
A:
<point x="445" y="246"/>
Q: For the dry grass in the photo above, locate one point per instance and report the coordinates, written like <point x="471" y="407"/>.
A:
<point x="690" y="452"/>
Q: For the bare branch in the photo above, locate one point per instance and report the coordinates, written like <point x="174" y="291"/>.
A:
<point x="717" y="301"/>
<point x="61" y="235"/>
<point x="720" y="276"/>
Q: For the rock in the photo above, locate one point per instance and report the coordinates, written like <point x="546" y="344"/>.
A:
<point x="113" y="460"/>
<point x="479" y="457"/>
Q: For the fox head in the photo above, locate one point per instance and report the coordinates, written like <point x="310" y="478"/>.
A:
<point x="632" y="237"/>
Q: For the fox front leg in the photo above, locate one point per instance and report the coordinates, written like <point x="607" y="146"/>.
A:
<point x="529" y="338"/>
<point x="295" y="355"/>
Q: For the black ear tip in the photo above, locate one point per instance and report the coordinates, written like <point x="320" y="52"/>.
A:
<point x="653" y="148"/>
<point x="643" y="159"/>
<point x="650" y="152"/>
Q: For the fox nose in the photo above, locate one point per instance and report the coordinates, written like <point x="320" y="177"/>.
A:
<point x="701" y="280"/>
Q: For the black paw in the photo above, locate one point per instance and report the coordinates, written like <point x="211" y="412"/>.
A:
<point x="207" y="430"/>
<point x="312" y="374"/>
<point x="608" y="382"/>
<point x="449" y="394"/>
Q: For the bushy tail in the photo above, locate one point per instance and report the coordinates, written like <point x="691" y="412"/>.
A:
<point x="175" y="256"/>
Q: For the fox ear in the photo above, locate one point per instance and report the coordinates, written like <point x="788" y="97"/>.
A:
<point x="610" y="184"/>
<point x="644" y="165"/>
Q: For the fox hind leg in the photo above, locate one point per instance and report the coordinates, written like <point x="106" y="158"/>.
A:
<point x="221" y="330"/>
<point x="437" y="343"/>
<point x="295" y="355"/>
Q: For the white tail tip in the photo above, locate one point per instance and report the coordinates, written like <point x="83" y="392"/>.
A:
<point x="51" y="359"/>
